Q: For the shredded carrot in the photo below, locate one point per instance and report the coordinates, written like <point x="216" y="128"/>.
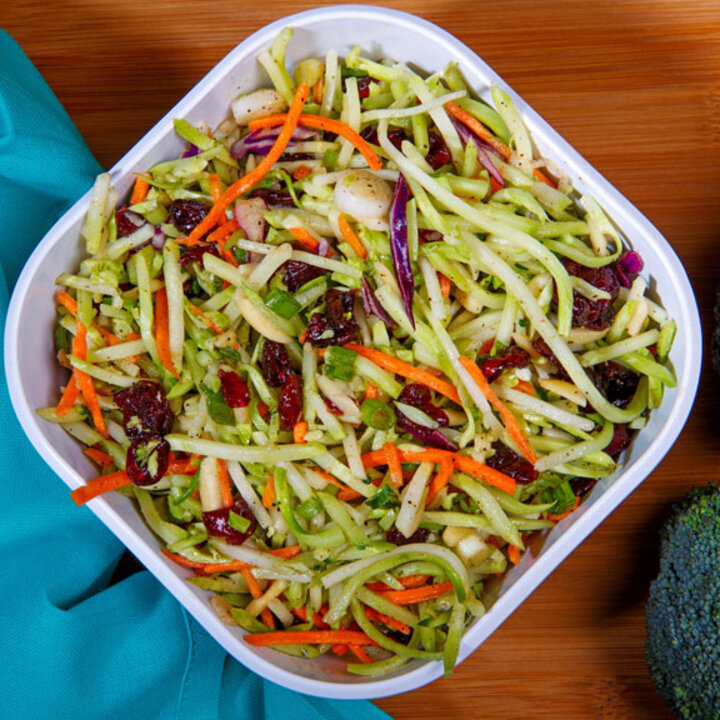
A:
<point x="485" y="473"/>
<point x="162" y="333"/>
<point x="317" y="91"/>
<point x="410" y="581"/>
<point x="215" y="187"/>
<point x="511" y="424"/>
<point x="439" y="481"/>
<point x="543" y="178"/>
<point x="140" y="190"/>
<point x="391" y="622"/>
<point x="195" y="310"/>
<point x="287" y="552"/>
<point x="70" y="304"/>
<point x="479" y="129"/>
<point x="84" y="381"/>
<point x="348" y="493"/>
<point x="256" y="592"/>
<point x="360" y="654"/>
<point x="562" y="516"/>
<point x="309" y="637"/>
<point x="388" y="362"/>
<point x="486" y="347"/>
<point x="301" y="172"/>
<point x="302" y="336"/>
<point x="328" y="124"/>
<point x="223" y="232"/>
<point x="444" y="281"/>
<point x="289" y="123"/>
<point x="426" y="455"/>
<point x="225" y="487"/>
<point x="393" y="461"/>
<point x="318" y="622"/>
<point x="371" y="392"/>
<point x="351" y="238"/>
<point x="98" y="486"/>
<point x="494" y="185"/>
<point x="514" y="554"/>
<point x="69" y="396"/>
<point x="525" y="387"/>
<point x="99" y="456"/>
<point x="299" y="430"/>
<point x="339" y="649"/>
<point x="208" y="568"/>
<point x="416" y="595"/>
<point x="268" y="496"/>
<point x="304" y="238"/>
<point x="181" y="467"/>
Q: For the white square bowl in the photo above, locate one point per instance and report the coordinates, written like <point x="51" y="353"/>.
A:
<point x="33" y="374"/>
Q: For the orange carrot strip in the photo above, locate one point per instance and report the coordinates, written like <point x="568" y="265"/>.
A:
<point x="195" y="310"/>
<point x="299" y="430"/>
<point x="376" y="616"/>
<point x="181" y="467"/>
<point x="266" y="616"/>
<point x="511" y="424"/>
<point x="525" y="387"/>
<point x="543" y="178"/>
<point x="287" y="552"/>
<point x="70" y="304"/>
<point x="351" y="238"/>
<point x="225" y="487"/>
<point x="439" y="481"/>
<point x="207" y="568"/>
<point x="268" y="496"/>
<point x="339" y="649"/>
<point x="487" y="474"/>
<point x="514" y="554"/>
<point x="479" y="129"/>
<point x="371" y="392"/>
<point x="140" y="190"/>
<point x="360" y="654"/>
<point x="100" y="457"/>
<point x="410" y="581"/>
<point x="289" y="123"/>
<point x="393" y="460"/>
<point x="162" y="334"/>
<point x="328" y="124"/>
<point x="317" y="91"/>
<point x="374" y="458"/>
<point x="69" y="396"/>
<point x="494" y="185"/>
<point x="562" y="516"/>
<point x="444" y="281"/>
<point x="84" y="381"/>
<point x="98" y="486"/>
<point x="215" y="187"/>
<point x="388" y="362"/>
<point x="350" y="494"/>
<point x="304" y="238"/>
<point x="347" y="494"/>
<point x="427" y="455"/>
<point x="309" y="637"/>
<point x="301" y="172"/>
<point x="416" y="595"/>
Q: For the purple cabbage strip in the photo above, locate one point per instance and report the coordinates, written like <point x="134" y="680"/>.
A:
<point x="260" y="141"/>
<point x="629" y="263"/>
<point x="191" y="151"/>
<point x="466" y="135"/>
<point x="399" y="246"/>
<point x="372" y="305"/>
<point x="434" y="438"/>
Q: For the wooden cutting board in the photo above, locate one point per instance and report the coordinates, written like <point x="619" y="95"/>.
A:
<point x="635" y="87"/>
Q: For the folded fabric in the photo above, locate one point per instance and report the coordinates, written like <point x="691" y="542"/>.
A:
<point x="72" y="645"/>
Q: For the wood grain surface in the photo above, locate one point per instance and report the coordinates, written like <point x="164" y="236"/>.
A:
<point x="635" y="87"/>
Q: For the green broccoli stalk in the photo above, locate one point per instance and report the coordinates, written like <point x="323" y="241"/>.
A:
<point x="683" y="612"/>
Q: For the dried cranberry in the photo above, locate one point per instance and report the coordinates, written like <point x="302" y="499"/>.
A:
<point x="420" y="397"/>
<point x="298" y="273"/>
<point x="594" y="314"/>
<point x="146" y="411"/>
<point x="615" y="382"/>
<point x="363" y="86"/>
<point x="186" y="214"/>
<point x="290" y="405"/>
<point x="336" y="326"/>
<point x="426" y="236"/>
<point x="195" y="253"/>
<point x="332" y="407"/>
<point x="273" y="197"/>
<point x="217" y="523"/>
<point x="275" y="363"/>
<point x="127" y="221"/>
<point x="147" y="460"/>
<point x="582" y="486"/>
<point x="395" y="537"/>
<point x="234" y="389"/>
<point x="395" y="136"/>
<point x="511" y="357"/>
<point x="512" y="464"/>
<point x="619" y="442"/>
<point x="543" y="349"/>
<point x="438" y="153"/>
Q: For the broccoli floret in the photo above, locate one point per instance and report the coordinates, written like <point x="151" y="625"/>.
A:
<point x="683" y="612"/>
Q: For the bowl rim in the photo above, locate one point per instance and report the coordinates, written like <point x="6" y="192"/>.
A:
<point x="571" y="536"/>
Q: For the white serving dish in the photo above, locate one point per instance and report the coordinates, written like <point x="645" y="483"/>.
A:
<point x="34" y="376"/>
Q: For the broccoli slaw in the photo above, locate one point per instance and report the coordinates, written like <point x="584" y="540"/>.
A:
<point x="352" y="351"/>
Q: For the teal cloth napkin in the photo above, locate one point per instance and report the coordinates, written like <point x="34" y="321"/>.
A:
<point x="71" y="645"/>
